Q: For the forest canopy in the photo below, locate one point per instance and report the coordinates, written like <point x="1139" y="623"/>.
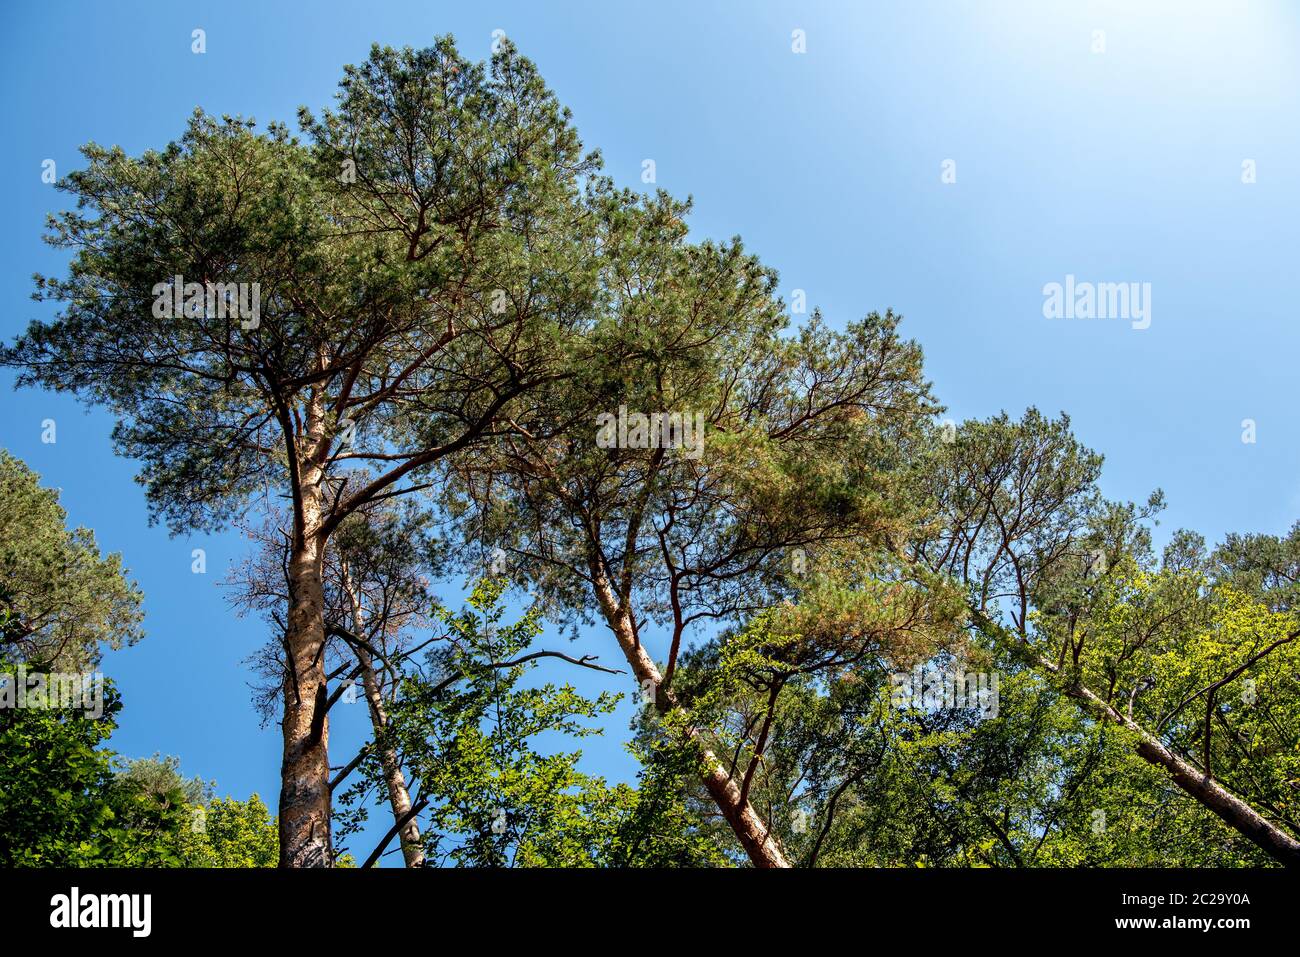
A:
<point x="425" y="342"/>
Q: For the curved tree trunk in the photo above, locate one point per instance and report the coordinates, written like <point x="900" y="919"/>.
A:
<point x="755" y="836"/>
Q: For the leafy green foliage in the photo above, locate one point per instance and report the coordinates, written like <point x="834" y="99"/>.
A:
<point x="231" y="833"/>
<point x="59" y="599"/>
<point x="63" y="805"/>
<point x="451" y="295"/>
<point x="67" y="800"/>
<point x="475" y="740"/>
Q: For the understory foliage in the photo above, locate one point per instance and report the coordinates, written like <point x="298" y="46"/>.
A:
<point x="67" y="800"/>
<point x="500" y="793"/>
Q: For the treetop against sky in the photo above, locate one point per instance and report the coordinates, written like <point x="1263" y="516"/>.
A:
<point x="473" y="280"/>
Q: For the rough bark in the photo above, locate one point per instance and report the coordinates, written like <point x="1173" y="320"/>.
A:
<point x="304" y="773"/>
<point x="755" y="836"/>
<point x="305" y="768"/>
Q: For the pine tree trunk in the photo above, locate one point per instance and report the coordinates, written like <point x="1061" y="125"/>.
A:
<point x="304" y="772"/>
<point x="753" y="833"/>
<point x="399" y="798"/>
<point x="305" y="768"/>
<point x="1235" y="812"/>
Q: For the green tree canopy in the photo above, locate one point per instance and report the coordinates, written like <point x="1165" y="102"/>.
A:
<point x="61" y="601"/>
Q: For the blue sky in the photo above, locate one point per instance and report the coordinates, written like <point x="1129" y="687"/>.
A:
<point x="1115" y="166"/>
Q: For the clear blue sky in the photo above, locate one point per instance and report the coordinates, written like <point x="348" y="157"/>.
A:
<point x="1118" y="166"/>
